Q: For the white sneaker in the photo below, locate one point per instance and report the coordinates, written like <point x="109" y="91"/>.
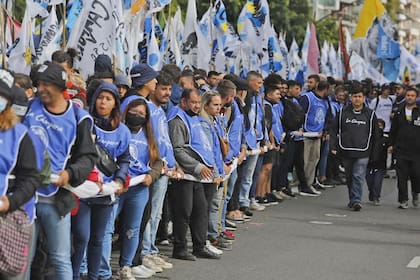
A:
<point x="315" y="191"/>
<point x="142" y="272"/>
<point x="149" y="262"/>
<point x="161" y="262"/>
<point x="213" y="249"/>
<point x="125" y="274"/>
<point x="254" y="205"/>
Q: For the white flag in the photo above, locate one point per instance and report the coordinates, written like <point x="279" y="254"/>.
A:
<point x="48" y="43"/>
<point x="153" y="53"/>
<point x="21" y="55"/>
<point x="93" y="37"/>
<point x="189" y="42"/>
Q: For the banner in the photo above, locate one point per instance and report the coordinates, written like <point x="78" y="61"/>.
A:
<point x="50" y="38"/>
<point x="89" y="38"/>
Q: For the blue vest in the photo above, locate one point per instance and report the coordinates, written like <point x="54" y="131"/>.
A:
<point x="198" y="142"/>
<point x="317" y="113"/>
<point x="260" y="119"/>
<point x="57" y="132"/>
<point x="250" y="136"/>
<point x="10" y="141"/>
<point x="234" y="131"/>
<point x="161" y="132"/>
<point x="276" y="125"/>
<point x="139" y="154"/>
<point x="115" y="142"/>
<point x="216" y="130"/>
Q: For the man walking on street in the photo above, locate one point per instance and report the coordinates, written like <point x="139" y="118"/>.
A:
<point x="353" y="136"/>
<point x="404" y="141"/>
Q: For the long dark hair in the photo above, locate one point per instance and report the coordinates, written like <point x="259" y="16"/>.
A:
<point x="151" y="143"/>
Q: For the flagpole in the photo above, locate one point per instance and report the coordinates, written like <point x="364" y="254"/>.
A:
<point x="212" y="65"/>
<point x="3" y="37"/>
<point x="63" y="40"/>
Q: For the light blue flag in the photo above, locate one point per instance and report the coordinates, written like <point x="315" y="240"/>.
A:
<point x="73" y="14"/>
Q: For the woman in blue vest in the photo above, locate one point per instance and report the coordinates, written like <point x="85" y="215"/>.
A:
<point x="88" y="225"/>
<point x="143" y="153"/>
<point x="212" y="127"/>
<point x="19" y="175"/>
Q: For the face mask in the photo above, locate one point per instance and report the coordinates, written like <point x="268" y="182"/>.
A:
<point x="191" y="113"/>
<point x="3" y="104"/>
<point x="134" y="120"/>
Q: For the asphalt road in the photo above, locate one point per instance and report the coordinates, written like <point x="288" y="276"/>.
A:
<point x="318" y="238"/>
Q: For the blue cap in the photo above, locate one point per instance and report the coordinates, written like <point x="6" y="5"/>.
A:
<point x="141" y="74"/>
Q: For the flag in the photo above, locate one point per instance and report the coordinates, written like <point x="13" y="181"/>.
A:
<point x="332" y="61"/>
<point x="189" y="43"/>
<point x="89" y="38"/>
<point x="360" y="70"/>
<point x="253" y="22"/>
<point x="284" y="72"/>
<point x="73" y="14"/>
<point x="175" y="29"/>
<point x="227" y="38"/>
<point x="406" y="76"/>
<point x="295" y="63"/>
<point x="20" y="57"/>
<point x="153" y="52"/>
<point x="343" y="47"/>
<point x="371" y="10"/>
<point x="157" y="5"/>
<point x="272" y="60"/>
<point x="325" y="67"/>
<point x="49" y="42"/>
<point x="410" y="63"/>
<point x="305" y="49"/>
<point x="340" y="65"/>
<point x="121" y="50"/>
<point x="138" y="5"/>
<point x="313" y="53"/>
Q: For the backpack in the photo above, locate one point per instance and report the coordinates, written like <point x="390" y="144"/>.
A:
<point x="293" y="115"/>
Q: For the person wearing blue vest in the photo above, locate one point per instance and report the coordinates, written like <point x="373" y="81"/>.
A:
<point x="273" y="110"/>
<point x="19" y="163"/>
<point x="253" y="131"/>
<point x="315" y="107"/>
<point x="211" y="123"/>
<point x="88" y="225"/>
<point x="194" y="154"/>
<point x="132" y="202"/>
<point x="65" y="130"/>
<point x="159" y="98"/>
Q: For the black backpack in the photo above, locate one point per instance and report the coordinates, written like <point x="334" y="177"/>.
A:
<point x="293" y="115"/>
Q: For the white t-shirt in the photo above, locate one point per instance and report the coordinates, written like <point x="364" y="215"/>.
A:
<point x="383" y="110"/>
<point x="408" y="114"/>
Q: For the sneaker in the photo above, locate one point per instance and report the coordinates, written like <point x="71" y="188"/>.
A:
<point x="246" y="212"/>
<point x="125" y="273"/>
<point x="330" y="182"/>
<point x="314" y="190"/>
<point x="149" y="262"/>
<point x="415" y="199"/>
<point x="141" y="272"/>
<point x="186" y="257"/>
<point x="230" y="225"/>
<point x="234" y="217"/>
<point x="254" y="205"/>
<point x="287" y="193"/>
<point x="308" y="192"/>
<point x="318" y="186"/>
<point x="219" y="243"/>
<point x="403" y="205"/>
<point x="161" y="262"/>
<point x="164" y="242"/>
<point x="272" y="200"/>
<point x="277" y="194"/>
<point x="357" y="207"/>
<point x="376" y="202"/>
<point x="228" y="235"/>
<point x="208" y="252"/>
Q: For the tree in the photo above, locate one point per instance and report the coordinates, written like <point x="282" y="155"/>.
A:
<point x="327" y="30"/>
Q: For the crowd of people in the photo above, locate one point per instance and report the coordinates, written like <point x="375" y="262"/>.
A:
<point x="108" y="163"/>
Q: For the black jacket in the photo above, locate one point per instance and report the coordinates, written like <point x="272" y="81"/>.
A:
<point x="354" y="133"/>
<point x="405" y="135"/>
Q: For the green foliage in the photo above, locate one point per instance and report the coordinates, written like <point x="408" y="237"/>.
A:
<point x="327" y="30"/>
<point x="19" y="7"/>
<point x="391" y="7"/>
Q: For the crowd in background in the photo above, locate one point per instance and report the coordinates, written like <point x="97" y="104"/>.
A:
<point x="109" y="163"/>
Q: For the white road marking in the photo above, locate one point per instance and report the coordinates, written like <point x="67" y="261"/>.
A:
<point x="336" y="215"/>
<point x="320" y="223"/>
<point x="414" y="263"/>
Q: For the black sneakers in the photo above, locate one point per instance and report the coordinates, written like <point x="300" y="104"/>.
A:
<point x="206" y="254"/>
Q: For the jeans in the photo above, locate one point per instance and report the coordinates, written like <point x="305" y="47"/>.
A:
<point x="149" y="237"/>
<point x="256" y="176"/>
<point x="213" y="228"/>
<point x="189" y="209"/>
<point x="57" y="232"/>
<point x="311" y="155"/>
<point x="407" y="169"/>
<point x="245" y="183"/>
<point x="355" y="175"/>
<point x="322" y="165"/>
<point x="374" y="178"/>
<point x="132" y="203"/>
<point x="229" y="192"/>
<point x="88" y="228"/>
